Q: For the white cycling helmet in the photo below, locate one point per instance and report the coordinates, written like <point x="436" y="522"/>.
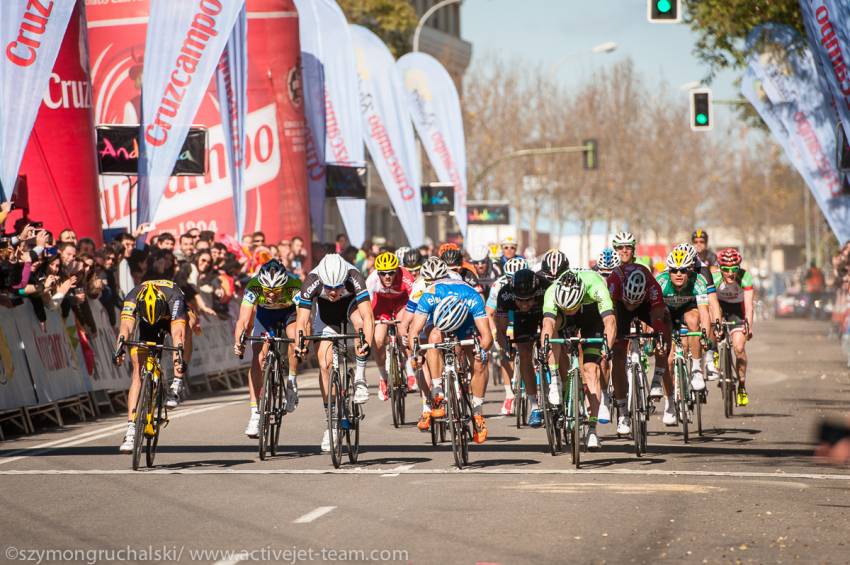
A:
<point x="272" y="275"/>
<point x="624" y="238"/>
<point x="479" y="253"/>
<point x="569" y="291"/>
<point x="332" y="270"/>
<point x="450" y="314"/>
<point x="400" y="253"/>
<point x="608" y="260"/>
<point x="434" y="269"/>
<point x="515" y="264"/>
<point x="689" y="249"/>
<point x="634" y="287"/>
<point x="554" y="264"/>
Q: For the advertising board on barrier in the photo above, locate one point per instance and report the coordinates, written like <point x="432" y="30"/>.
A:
<point x="106" y="376"/>
<point x="15" y="384"/>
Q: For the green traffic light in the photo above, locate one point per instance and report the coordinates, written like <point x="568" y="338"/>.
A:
<point x="702" y="119"/>
<point x="663" y="6"/>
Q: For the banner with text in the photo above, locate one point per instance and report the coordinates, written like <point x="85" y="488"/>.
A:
<point x="15" y="384"/>
<point x="332" y="109"/>
<point x="30" y="36"/>
<point x="106" y="376"/>
<point x="388" y="130"/>
<point x="435" y="108"/>
<point x="184" y="44"/>
<point x="828" y="27"/>
<point x="782" y="87"/>
<point x="232" y="85"/>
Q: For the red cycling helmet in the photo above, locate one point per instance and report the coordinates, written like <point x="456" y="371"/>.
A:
<point x="729" y="257"/>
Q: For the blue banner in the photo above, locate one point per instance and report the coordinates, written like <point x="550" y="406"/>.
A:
<point x="331" y="96"/>
<point x="183" y="46"/>
<point x="435" y="108"/>
<point x="30" y="36"/>
<point x="388" y="130"/>
<point x="232" y="86"/>
<point x="779" y="84"/>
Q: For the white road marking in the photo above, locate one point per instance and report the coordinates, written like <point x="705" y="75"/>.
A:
<point x="313" y="515"/>
<point x="239" y="558"/>
<point x="398" y="470"/>
<point x="380" y="472"/>
<point x="99" y="433"/>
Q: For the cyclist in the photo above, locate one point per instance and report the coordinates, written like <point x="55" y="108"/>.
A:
<point x="338" y="291"/>
<point x="453" y="257"/>
<point x="553" y="265"/>
<point x="412" y="261"/>
<point x="160" y="309"/>
<point x="637" y="295"/>
<point x="485" y="271"/>
<point x="735" y="291"/>
<point x="433" y="270"/>
<point x="523" y="298"/>
<point x="509" y="249"/>
<point x="713" y="308"/>
<point x="510" y="268"/>
<point x="579" y="302"/>
<point x="686" y="296"/>
<point x="454" y="307"/>
<point x="608" y="261"/>
<point x="624" y="244"/>
<point x="389" y="285"/>
<point x="268" y="304"/>
<point x="705" y="256"/>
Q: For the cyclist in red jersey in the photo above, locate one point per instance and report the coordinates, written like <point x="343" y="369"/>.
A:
<point x="389" y="286"/>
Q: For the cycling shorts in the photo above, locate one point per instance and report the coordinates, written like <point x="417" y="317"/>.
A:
<point x="270" y="321"/>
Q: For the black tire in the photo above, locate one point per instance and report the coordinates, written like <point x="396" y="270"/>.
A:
<point x="634" y="406"/>
<point x="335" y="409"/>
<point x="394" y="386"/>
<point x="682" y="401"/>
<point x="142" y="410"/>
<point x="355" y="413"/>
<point x="454" y="415"/>
<point x="729" y="378"/>
<point x="643" y="406"/>
<point x="158" y="411"/>
<point x="576" y="406"/>
<point x="266" y="407"/>
<point x="435" y="432"/>
<point x="698" y="410"/>
<point x="278" y="397"/>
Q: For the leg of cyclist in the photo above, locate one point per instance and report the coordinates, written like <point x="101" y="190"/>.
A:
<point x="137" y="359"/>
<point x="362" y="318"/>
<point x="324" y="353"/>
<point x="381" y="331"/>
<point x="292" y="384"/>
<point x="739" y="343"/>
<point x="255" y="386"/>
<point x="526" y="369"/>
<point x="590" y="375"/>
<point x="479" y="380"/>
<point x="434" y="362"/>
<point x="500" y="323"/>
<point x="621" y="385"/>
<point x="692" y="321"/>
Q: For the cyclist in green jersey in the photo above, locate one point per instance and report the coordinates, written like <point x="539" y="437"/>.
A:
<point x="579" y="302"/>
<point x="735" y="291"/>
<point x="268" y="305"/>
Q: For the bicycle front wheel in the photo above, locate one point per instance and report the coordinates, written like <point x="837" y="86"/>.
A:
<point x="729" y="378"/>
<point x="682" y="396"/>
<point x="354" y="413"/>
<point x="335" y="414"/>
<point x="143" y="410"/>
<point x="395" y="386"/>
<point x="634" y="406"/>
<point x="266" y="407"/>
<point x="456" y="429"/>
<point x="576" y="406"/>
<point x="158" y="416"/>
<point x="549" y="420"/>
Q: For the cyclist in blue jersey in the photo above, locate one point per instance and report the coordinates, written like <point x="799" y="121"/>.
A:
<point x="452" y="306"/>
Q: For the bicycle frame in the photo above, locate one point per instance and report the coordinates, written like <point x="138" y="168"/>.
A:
<point x="682" y="378"/>
<point x="638" y="396"/>
<point x="395" y="359"/>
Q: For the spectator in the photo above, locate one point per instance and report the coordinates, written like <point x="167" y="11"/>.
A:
<point x="342" y="243"/>
<point x="258" y="240"/>
<point x="298" y="262"/>
<point x="218" y="253"/>
<point x="86" y="246"/>
<point x="166" y="241"/>
<point x="68" y="236"/>
<point x="187" y="248"/>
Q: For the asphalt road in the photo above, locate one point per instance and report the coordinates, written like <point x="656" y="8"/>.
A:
<point x="748" y="491"/>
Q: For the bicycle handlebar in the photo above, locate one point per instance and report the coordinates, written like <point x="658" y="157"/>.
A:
<point x="446" y="345"/>
<point x="147" y="345"/>
<point x="303" y="339"/>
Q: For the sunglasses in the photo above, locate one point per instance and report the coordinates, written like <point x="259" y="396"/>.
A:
<point x="619" y="247"/>
<point x="695" y="241"/>
<point x="509" y="247"/>
<point x="679" y="271"/>
<point x="386" y="273"/>
<point x="332" y="288"/>
<point x="730" y="269"/>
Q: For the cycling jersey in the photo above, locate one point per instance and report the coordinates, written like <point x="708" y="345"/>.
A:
<point x="618" y="276"/>
<point x="694" y="292"/>
<point x="710" y="259"/>
<point x="596" y="292"/>
<point x="388" y="301"/>
<point x="525" y="323"/>
<point x="450" y="287"/>
<point x="419" y="286"/>
<point x="734" y="292"/>
<point x="493" y="296"/>
<point x="467" y="274"/>
<point x="278" y="299"/>
<point x="173" y="295"/>
<point x="312" y="289"/>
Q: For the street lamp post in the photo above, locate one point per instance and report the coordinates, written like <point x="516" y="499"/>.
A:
<point x="428" y="13"/>
<point x="606" y="47"/>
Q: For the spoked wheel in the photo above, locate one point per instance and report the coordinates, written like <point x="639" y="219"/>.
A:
<point x="576" y="407"/>
<point x="698" y="400"/>
<point x="519" y="394"/>
<point x="158" y="417"/>
<point x="278" y="412"/>
<point x="682" y="400"/>
<point x="456" y="424"/>
<point x="355" y="413"/>
<point x="396" y="392"/>
<point x="728" y="384"/>
<point x="266" y="409"/>
<point x="549" y="419"/>
<point x="143" y="410"/>
<point x="636" y="416"/>
<point x="335" y="408"/>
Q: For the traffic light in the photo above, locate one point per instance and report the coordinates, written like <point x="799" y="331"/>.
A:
<point x="591" y="155"/>
<point x="664" y="11"/>
<point x="701" y="118"/>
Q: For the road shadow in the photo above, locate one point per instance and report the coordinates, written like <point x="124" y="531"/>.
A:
<point x="761" y="415"/>
<point x="488" y="463"/>
<point x="594" y="463"/>
<point x="388" y="460"/>
<point x="205" y="464"/>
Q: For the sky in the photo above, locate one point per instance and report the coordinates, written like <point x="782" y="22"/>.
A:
<point x="562" y="33"/>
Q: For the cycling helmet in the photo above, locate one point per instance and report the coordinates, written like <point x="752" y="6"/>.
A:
<point x="332" y="270"/>
<point x="569" y="291"/>
<point x="729" y="257"/>
<point x="412" y="259"/>
<point x="679" y="259"/>
<point x="634" y="287"/>
<point x="525" y="284"/>
<point x="450" y="313"/>
<point x="509" y="241"/>
<point x="701" y="234"/>
<point x="624" y="238"/>
<point x="452" y="257"/>
<point x="445" y="247"/>
<point x="151" y="304"/>
<point x="554" y="264"/>
<point x="400" y="253"/>
<point x="272" y="275"/>
<point x="515" y="264"/>
<point x="386" y="261"/>
<point x="608" y="260"/>
<point x="689" y="249"/>
<point x="479" y="254"/>
<point x="434" y="269"/>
